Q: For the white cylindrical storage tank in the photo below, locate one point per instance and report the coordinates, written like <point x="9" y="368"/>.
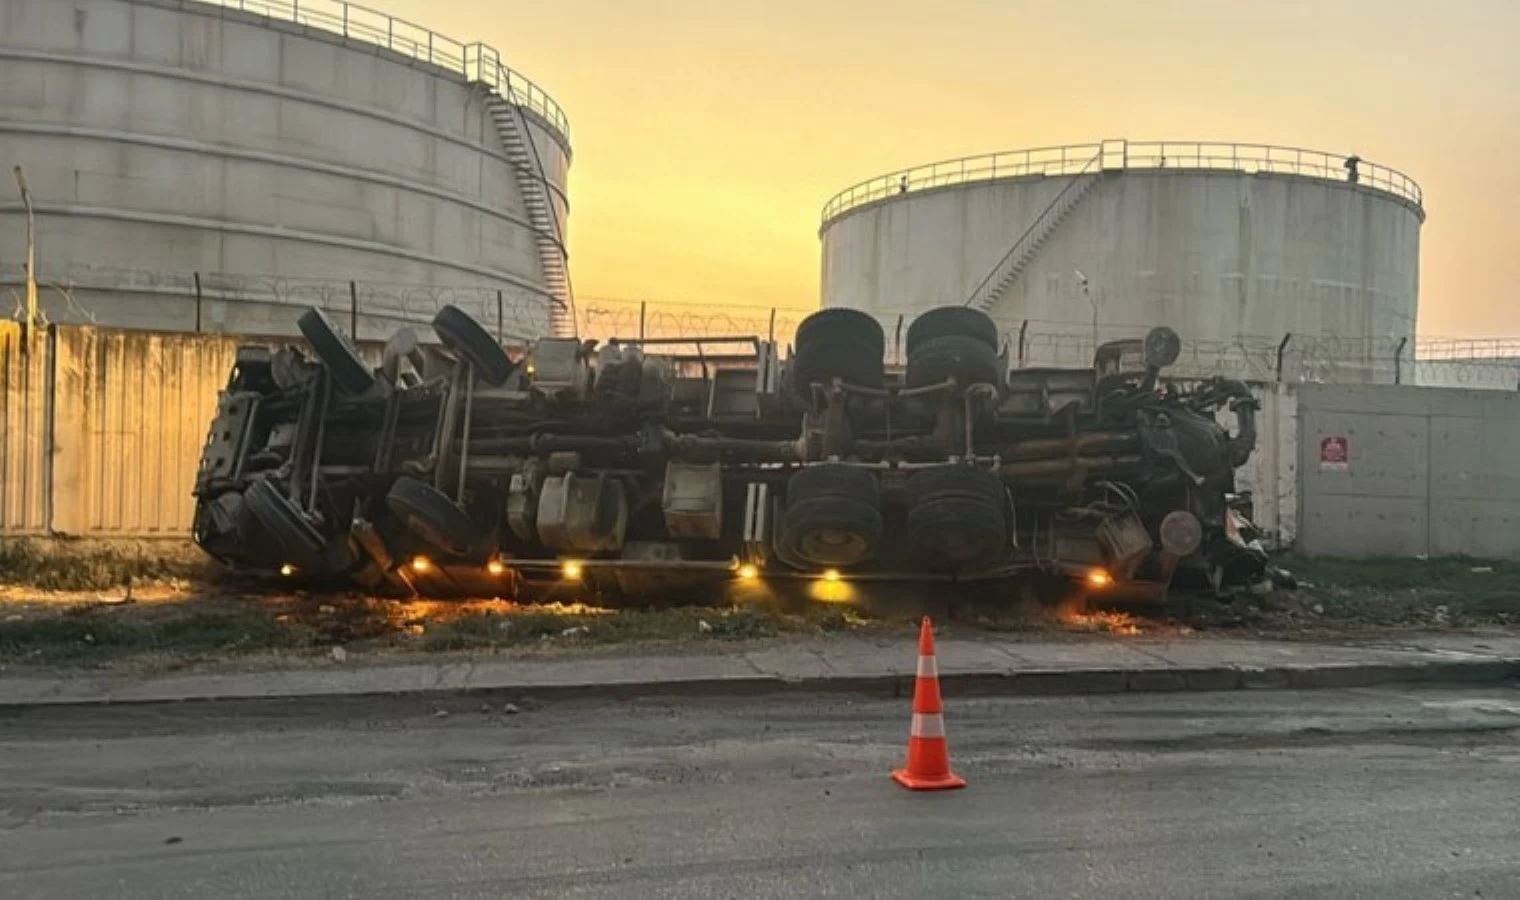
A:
<point x="1236" y="246"/>
<point x="218" y="165"/>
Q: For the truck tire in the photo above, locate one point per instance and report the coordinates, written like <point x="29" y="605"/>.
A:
<point x="299" y="540"/>
<point x="833" y="480"/>
<point x="957" y="516"/>
<point x="348" y="369"/>
<point x="957" y="532"/>
<point x="951" y="321"/>
<point x="969" y="482"/>
<point x="853" y="361"/>
<point x="966" y="359"/>
<point x="429" y="514"/>
<point x="833" y="515"/>
<point x="466" y="337"/>
<point x="841" y="323"/>
<point x="831" y="531"/>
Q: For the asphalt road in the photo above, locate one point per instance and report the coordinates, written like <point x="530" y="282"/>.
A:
<point x="1368" y="793"/>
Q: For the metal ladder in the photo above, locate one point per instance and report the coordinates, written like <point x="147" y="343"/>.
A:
<point x="548" y="235"/>
<point x="1027" y="247"/>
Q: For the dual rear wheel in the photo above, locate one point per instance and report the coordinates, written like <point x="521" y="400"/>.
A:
<point x="957" y="517"/>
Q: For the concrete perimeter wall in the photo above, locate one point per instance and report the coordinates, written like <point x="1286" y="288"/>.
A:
<point x="1426" y="471"/>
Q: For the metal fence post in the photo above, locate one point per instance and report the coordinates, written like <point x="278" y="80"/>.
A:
<point x="643" y="307"/>
<point x="353" y="310"/>
<point x="1398" y="361"/>
<point x="501" y="320"/>
<point x="1282" y="346"/>
<point x="197" y="302"/>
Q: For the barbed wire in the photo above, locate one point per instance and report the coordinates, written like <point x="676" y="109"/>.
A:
<point x="85" y="294"/>
<point x="88" y="293"/>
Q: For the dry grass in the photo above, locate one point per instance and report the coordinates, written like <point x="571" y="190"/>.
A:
<point x="1352" y="595"/>
<point x="67" y="566"/>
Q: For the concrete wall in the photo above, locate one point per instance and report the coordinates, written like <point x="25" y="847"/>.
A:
<point x="172" y="138"/>
<point x="1271" y="474"/>
<point x="1427" y="471"/>
<point x="1218" y="255"/>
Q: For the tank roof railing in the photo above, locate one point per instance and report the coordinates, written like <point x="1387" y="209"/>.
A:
<point x="1122" y="155"/>
<point x="476" y="61"/>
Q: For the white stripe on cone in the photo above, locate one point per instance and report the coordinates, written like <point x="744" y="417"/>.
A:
<point x="928" y="725"/>
<point x="927" y="667"/>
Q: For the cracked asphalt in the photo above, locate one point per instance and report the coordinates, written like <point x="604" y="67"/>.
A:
<point x="1380" y="793"/>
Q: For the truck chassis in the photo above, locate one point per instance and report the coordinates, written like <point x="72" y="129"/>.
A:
<point x="638" y="466"/>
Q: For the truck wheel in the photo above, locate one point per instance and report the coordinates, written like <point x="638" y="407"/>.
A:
<point x="970" y="482"/>
<point x="429" y="514"/>
<point x="299" y="540"/>
<point x="833" y="480"/>
<point x="831" y="531"/>
<point x="474" y="344"/>
<point x="836" y="343"/>
<point x="966" y="359"/>
<point x="957" y="516"/>
<point x="951" y="321"/>
<point x="833" y="515"/>
<point x="348" y="369"/>
<point x="841" y="323"/>
<point x="853" y="361"/>
<point x="958" y="532"/>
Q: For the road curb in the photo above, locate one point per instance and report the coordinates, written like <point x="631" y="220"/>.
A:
<point x="1013" y="683"/>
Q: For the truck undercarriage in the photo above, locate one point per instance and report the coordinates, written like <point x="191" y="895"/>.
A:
<point x="463" y="469"/>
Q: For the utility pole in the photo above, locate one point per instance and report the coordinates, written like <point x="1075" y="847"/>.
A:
<point x="31" y="250"/>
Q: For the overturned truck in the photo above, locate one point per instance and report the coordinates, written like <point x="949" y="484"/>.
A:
<point x="463" y="468"/>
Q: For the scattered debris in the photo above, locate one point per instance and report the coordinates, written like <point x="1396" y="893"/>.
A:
<point x="338" y="654"/>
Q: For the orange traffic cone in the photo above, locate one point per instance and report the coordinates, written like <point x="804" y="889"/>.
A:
<point x="928" y="767"/>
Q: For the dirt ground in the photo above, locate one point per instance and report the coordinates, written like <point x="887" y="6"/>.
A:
<point x="174" y="614"/>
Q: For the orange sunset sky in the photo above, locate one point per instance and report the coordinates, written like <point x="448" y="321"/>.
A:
<point x="708" y="135"/>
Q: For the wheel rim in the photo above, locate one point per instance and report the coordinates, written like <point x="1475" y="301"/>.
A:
<point x="831" y="546"/>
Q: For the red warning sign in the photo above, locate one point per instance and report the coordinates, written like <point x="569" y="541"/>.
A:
<point x="1334" y="454"/>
